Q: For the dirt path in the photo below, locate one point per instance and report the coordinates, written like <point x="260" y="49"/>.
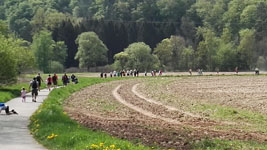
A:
<point x="140" y="110"/>
<point x="170" y="108"/>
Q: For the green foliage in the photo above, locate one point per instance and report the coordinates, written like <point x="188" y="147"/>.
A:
<point x="164" y="52"/>
<point x="121" y="60"/>
<point x="246" y="48"/>
<point x="60" y="52"/>
<point x="19" y="20"/>
<point x="50" y="119"/>
<point x="8" y="61"/>
<point x="15" y="57"/>
<point x="38" y="21"/>
<point x="43" y="50"/>
<point x="3" y="28"/>
<point x="140" y="57"/>
<point x="207" y="49"/>
<point x="121" y="22"/>
<point x="92" y="52"/>
<point x="56" y="67"/>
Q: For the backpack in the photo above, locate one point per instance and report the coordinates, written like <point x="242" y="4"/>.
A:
<point x="38" y="78"/>
<point x="34" y="85"/>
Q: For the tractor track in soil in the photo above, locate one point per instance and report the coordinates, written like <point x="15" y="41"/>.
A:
<point x="147" y="120"/>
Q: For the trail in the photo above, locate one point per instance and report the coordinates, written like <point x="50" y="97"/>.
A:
<point x="140" y="110"/>
<point x="14" y="132"/>
<point x="170" y="108"/>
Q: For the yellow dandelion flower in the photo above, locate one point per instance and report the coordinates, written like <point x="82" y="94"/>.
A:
<point x="112" y="146"/>
<point x="52" y="136"/>
<point x="101" y="144"/>
<point x="94" y="146"/>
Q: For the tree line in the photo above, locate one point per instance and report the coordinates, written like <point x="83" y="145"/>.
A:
<point x="182" y="34"/>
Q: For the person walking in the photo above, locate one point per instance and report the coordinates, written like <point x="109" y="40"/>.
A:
<point x="54" y="80"/>
<point x="40" y="80"/>
<point x="49" y="82"/>
<point x="190" y="71"/>
<point x="23" y="94"/>
<point x="34" y="85"/>
<point x="65" y="79"/>
<point x="236" y="70"/>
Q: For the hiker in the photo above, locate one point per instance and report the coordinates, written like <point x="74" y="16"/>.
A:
<point x="34" y="85"/>
<point x="257" y="71"/>
<point x="23" y="94"/>
<point x="40" y="80"/>
<point x="236" y="70"/>
<point x="65" y="79"/>
<point x="49" y="82"/>
<point x="190" y="71"/>
<point x="3" y="106"/>
<point x="73" y="78"/>
<point x="101" y="75"/>
<point x="54" y="80"/>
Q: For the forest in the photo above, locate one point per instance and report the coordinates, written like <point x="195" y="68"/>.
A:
<point x="178" y="34"/>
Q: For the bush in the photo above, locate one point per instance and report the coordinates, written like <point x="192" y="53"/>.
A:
<point x="56" y="67"/>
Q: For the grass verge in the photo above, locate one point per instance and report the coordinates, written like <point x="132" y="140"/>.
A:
<point x="257" y="122"/>
<point x="217" y="144"/>
<point x="55" y="130"/>
<point x="12" y="91"/>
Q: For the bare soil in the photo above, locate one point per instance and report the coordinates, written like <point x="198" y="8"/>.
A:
<point x="158" y="111"/>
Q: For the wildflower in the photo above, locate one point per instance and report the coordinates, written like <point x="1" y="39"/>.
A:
<point x="112" y="146"/>
<point x="101" y="144"/>
<point x="94" y="146"/>
<point x="52" y="136"/>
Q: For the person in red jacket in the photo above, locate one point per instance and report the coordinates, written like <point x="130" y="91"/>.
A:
<point x="54" y="79"/>
<point x="49" y="82"/>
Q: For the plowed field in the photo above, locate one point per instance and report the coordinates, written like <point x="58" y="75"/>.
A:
<point x="176" y="112"/>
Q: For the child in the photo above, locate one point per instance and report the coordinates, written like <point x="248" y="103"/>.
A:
<point x="23" y="94"/>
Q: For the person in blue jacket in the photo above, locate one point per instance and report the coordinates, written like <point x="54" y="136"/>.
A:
<point x="3" y="106"/>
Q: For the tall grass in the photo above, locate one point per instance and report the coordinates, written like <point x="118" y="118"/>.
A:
<point x="55" y="130"/>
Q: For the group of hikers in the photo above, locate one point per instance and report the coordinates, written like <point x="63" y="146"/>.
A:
<point x="128" y="73"/>
<point x="35" y="86"/>
<point x="200" y="71"/>
<point x="122" y="73"/>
